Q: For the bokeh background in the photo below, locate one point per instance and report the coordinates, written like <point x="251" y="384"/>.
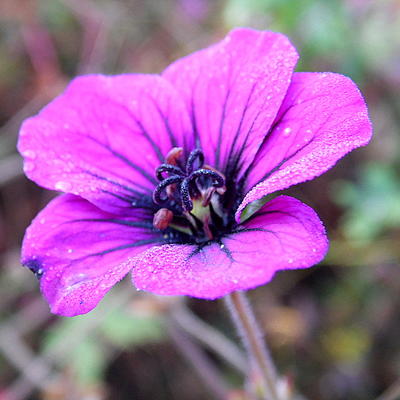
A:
<point x="334" y="330"/>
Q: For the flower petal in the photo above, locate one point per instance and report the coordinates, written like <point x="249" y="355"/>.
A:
<point x="284" y="234"/>
<point x="322" y="118"/>
<point x="233" y="91"/>
<point x="79" y="252"/>
<point x="104" y="137"/>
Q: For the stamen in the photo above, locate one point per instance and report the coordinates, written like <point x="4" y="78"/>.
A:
<point x="168" y="168"/>
<point x="157" y="198"/>
<point x="173" y="156"/>
<point x="221" y="190"/>
<point x="207" y="196"/>
<point x="207" y="230"/>
<point x="196" y="154"/>
<point x="162" y="218"/>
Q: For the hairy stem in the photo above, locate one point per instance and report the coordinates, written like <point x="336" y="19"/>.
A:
<point x="245" y="322"/>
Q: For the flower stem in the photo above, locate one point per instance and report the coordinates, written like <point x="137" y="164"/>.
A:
<point x="244" y="319"/>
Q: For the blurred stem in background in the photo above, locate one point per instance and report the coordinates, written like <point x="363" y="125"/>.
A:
<point x="205" y="369"/>
<point x="210" y="337"/>
<point x="392" y="393"/>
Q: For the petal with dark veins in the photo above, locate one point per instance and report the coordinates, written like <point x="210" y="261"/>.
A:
<point x="104" y="137"/>
<point x="284" y="234"/>
<point x="322" y="118"/>
<point x="233" y="91"/>
<point x="79" y="252"/>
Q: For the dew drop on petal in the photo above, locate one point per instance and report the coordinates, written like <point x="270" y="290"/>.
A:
<point x="76" y="279"/>
<point x="308" y="136"/>
<point x="63" y="186"/>
<point x="29" y="166"/>
<point x="29" y="154"/>
<point x="287" y="131"/>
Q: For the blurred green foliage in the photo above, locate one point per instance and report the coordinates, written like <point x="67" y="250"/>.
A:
<point x="118" y="326"/>
<point x="353" y="37"/>
<point x="372" y="206"/>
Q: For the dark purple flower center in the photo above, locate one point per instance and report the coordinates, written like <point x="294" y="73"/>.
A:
<point x="190" y="195"/>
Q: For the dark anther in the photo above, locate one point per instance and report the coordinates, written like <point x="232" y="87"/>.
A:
<point x="185" y="195"/>
<point x="167" y="168"/>
<point x="195" y="155"/>
<point x="157" y="198"/>
<point x="218" y="180"/>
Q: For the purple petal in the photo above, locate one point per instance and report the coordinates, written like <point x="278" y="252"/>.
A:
<point x="284" y="234"/>
<point x="79" y="252"/>
<point x="104" y="137"/>
<point x="233" y="91"/>
<point x="322" y="118"/>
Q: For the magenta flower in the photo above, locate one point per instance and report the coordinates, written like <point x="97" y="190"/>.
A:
<point x="157" y="171"/>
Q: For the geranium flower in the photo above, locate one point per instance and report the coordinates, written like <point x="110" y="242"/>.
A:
<point x="158" y="169"/>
